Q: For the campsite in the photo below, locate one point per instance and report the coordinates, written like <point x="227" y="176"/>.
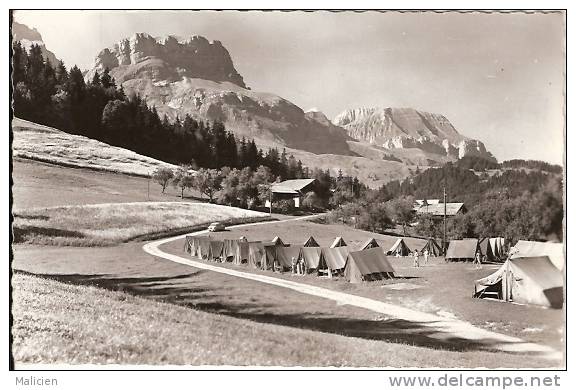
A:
<point x="127" y="269"/>
<point x="165" y="212"/>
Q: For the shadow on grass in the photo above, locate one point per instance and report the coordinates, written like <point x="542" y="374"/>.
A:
<point x="21" y="233"/>
<point x="180" y="290"/>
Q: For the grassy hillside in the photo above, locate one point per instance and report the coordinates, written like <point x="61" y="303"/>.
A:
<point x="43" y="143"/>
<point x="61" y="323"/>
<point x="107" y="224"/>
<point x="39" y="184"/>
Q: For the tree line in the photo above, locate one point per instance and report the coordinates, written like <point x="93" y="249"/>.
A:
<point x="250" y="188"/>
<point x="100" y="109"/>
<point x="514" y="203"/>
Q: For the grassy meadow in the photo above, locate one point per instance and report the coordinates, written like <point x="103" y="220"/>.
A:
<point x="46" y="144"/>
<point x="39" y="184"/>
<point x="113" y="223"/>
<point x="63" y="323"/>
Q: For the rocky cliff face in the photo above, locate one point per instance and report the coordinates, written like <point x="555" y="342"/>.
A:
<point x="168" y="58"/>
<point x="407" y="128"/>
<point x="196" y="77"/>
<point x="30" y="36"/>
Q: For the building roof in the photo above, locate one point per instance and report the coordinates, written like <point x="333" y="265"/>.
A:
<point x="294" y="186"/>
<point x="438" y="209"/>
<point x="422" y="202"/>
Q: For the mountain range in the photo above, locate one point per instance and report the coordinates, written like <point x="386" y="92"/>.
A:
<point x="197" y="77"/>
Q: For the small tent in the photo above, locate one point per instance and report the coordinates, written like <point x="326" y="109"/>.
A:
<point x="312" y="257"/>
<point x="335" y="258"/>
<point x="282" y="258"/>
<point x="371" y="243"/>
<point x="531" y="280"/>
<point x="203" y="248"/>
<point x="311" y="242"/>
<point x="256" y="254"/>
<point x="432" y="247"/>
<point x="483" y="244"/>
<point x="338" y="241"/>
<point x="278" y="241"/>
<point x="462" y="249"/>
<point x="491" y="248"/>
<point x="215" y="250"/>
<point x="229" y="250"/>
<point x="270" y="256"/>
<point x="189" y="246"/>
<point x="498" y="247"/>
<point x="554" y="251"/>
<point x="292" y="251"/>
<point x="242" y="252"/>
<point x="399" y="248"/>
<point x="366" y="265"/>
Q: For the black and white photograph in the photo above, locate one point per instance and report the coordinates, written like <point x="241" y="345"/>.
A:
<point x="288" y="189"/>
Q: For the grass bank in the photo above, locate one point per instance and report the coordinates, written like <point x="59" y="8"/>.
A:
<point x="113" y="223"/>
<point x="57" y="322"/>
<point x="46" y="144"/>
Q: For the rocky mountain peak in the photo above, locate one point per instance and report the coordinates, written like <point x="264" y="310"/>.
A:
<point x="318" y="116"/>
<point x="405" y="128"/>
<point x="168" y="58"/>
<point x="30" y="36"/>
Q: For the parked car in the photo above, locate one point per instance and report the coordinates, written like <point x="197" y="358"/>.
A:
<point x="216" y="227"/>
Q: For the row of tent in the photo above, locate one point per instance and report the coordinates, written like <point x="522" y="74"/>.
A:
<point x="494" y="249"/>
<point x="369" y="263"/>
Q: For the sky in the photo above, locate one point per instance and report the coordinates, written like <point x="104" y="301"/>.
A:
<point x="498" y="78"/>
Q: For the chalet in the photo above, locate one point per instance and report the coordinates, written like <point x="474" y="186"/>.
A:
<point x="292" y="189"/>
<point x="437" y="209"/>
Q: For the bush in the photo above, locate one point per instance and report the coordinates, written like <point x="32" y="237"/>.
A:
<point x="284" y="206"/>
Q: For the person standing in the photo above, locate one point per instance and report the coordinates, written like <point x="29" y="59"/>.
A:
<point x="477" y="261"/>
<point x="416" y="261"/>
<point x="293" y="265"/>
<point x="426" y="256"/>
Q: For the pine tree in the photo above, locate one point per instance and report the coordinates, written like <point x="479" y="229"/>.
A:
<point x="96" y="79"/>
<point x="19" y="60"/>
<point x="61" y="75"/>
<point x="107" y="80"/>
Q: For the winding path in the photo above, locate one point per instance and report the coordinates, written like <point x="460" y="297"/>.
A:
<point x="440" y="327"/>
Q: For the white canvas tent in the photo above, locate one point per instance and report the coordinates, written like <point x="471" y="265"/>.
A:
<point x="554" y="251"/>
<point x="399" y="248"/>
<point x="335" y="258"/>
<point x="529" y="280"/>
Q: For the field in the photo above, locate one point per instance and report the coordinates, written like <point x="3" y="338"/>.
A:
<point x="46" y="144"/>
<point x="184" y="316"/>
<point x="202" y="317"/>
<point x="39" y="184"/>
<point x="112" y="223"/>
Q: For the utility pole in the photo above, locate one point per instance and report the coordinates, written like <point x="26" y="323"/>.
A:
<point x="445" y="216"/>
<point x="270" y="200"/>
<point x="149" y="176"/>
